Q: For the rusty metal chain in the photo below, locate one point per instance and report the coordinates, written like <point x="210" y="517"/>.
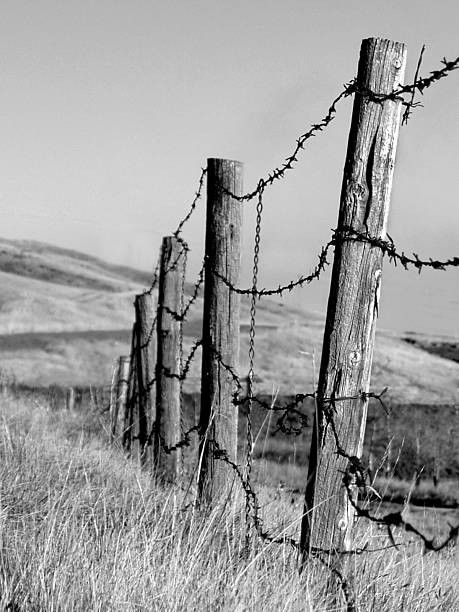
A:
<point x="250" y="377"/>
<point x="180" y="324"/>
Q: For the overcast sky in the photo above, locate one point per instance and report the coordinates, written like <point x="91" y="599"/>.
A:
<point x="110" y="108"/>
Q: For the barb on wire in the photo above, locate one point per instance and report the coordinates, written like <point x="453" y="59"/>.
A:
<point x="181" y="316"/>
<point x="195" y="292"/>
<point x="410" y="106"/>
<point x="395" y="519"/>
<point x="185" y="441"/>
<point x="279" y="172"/>
<point x="154" y="281"/>
<point x="193" y="204"/>
<point x="232" y="373"/>
<point x="419" y="85"/>
<point x="281" y="289"/>
<point x="346" y="233"/>
<point x="150" y="333"/>
<point x="189" y="359"/>
<point x="168" y="373"/>
<point x="388" y="248"/>
<point x="355" y="476"/>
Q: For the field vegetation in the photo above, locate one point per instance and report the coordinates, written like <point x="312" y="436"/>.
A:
<point x="83" y="528"/>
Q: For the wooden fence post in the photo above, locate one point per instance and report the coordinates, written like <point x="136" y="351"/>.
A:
<point x="353" y="301"/>
<point x="128" y="417"/>
<point x="145" y="314"/>
<point x="121" y="387"/>
<point x="70" y="399"/>
<point x="220" y="335"/>
<point x="168" y="366"/>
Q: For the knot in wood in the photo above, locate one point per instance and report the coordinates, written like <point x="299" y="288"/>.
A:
<point x="354" y="358"/>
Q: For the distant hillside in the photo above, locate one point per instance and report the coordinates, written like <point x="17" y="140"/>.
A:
<point x="65" y="317"/>
<point x="448" y="348"/>
<point x="50" y="263"/>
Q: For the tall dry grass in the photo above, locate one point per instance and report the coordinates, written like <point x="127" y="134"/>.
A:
<point x="82" y="528"/>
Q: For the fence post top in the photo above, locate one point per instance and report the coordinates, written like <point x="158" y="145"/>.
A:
<point x="378" y="39"/>
<point x="174" y="240"/>
<point x="373" y="41"/>
<point x="213" y="160"/>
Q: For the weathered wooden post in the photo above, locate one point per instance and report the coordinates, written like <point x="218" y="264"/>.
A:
<point x="353" y="302"/>
<point x="145" y="314"/>
<point x="220" y="333"/>
<point x="121" y="388"/>
<point x="70" y="399"/>
<point x="128" y="417"/>
<point x="168" y="365"/>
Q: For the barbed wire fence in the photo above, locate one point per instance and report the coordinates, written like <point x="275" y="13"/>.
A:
<point x="146" y="425"/>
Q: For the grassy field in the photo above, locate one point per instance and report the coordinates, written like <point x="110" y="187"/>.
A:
<point x="83" y="528"/>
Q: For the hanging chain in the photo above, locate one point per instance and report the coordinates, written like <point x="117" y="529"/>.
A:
<point x="250" y="377"/>
<point x="184" y="253"/>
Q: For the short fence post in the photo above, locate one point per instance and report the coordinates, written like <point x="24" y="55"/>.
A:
<point x="353" y="302"/>
<point x="128" y="416"/>
<point x="121" y="387"/>
<point x="168" y="366"/>
<point x="70" y="399"/>
<point x="220" y="335"/>
<point x="145" y="314"/>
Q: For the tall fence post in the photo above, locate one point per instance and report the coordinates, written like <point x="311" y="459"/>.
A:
<point x="168" y="366"/>
<point x="145" y="314"/>
<point x="353" y="302"/>
<point x="121" y="388"/>
<point x="220" y="335"/>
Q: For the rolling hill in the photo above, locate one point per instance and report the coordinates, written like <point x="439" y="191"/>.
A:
<point x="65" y="317"/>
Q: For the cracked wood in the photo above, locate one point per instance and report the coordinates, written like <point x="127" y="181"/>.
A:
<point x="354" y="298"/>
<point x="220" y="335"/>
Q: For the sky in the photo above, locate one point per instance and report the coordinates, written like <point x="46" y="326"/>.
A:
<point x="110" y="109"/>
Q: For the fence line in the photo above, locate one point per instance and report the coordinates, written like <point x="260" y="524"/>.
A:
<point x="361" y="234"/>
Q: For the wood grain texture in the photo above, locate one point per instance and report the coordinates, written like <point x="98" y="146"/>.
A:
<point x="120" y="395"/>
<point x="168" y="416"/>
<point x="70" y="399"/>
<point x="145" y="312"/>
<point x="128" y="420"/>
<point x="219" y="416"/>
<point x="354" y="298"/>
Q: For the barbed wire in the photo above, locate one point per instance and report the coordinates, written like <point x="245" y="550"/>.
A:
<point x="189" y="359"/>
<point x="193" y="204"/>
<point x="355" y="476"/>
<point x="181" y="316"/>
<point x="292" y="420"/>
<point x="350" y="88"/>
<point x="410" y="106"/>
<point x="388" y="248"/>
<point x="419" y="85"/>
<point x="154" y="281"/>
<point x="339" y="235"/>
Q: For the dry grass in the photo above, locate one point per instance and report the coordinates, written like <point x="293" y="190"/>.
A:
<point x="82" y="528"/>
